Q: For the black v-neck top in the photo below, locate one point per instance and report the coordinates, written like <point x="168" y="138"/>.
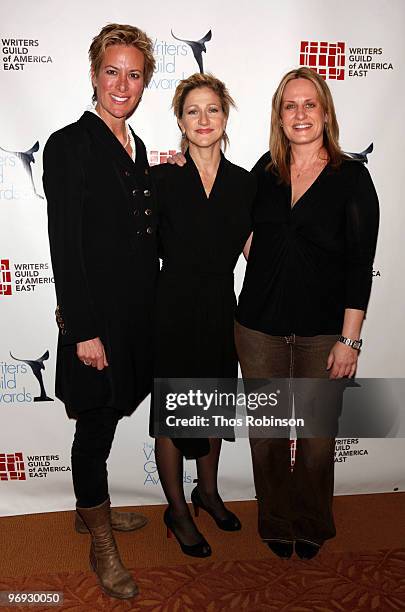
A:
<point x="308" y="263"/>
<point x="199" y="233"/>
<point x="200" y="239"/>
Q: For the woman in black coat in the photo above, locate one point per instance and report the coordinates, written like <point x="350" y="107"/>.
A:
<point x="101" y="212"/>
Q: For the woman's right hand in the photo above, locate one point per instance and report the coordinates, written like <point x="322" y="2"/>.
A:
<point x="177" y="159"/>
<point x="92" y="353"/>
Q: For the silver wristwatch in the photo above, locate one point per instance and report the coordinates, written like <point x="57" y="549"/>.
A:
<point x="356" y="344"/>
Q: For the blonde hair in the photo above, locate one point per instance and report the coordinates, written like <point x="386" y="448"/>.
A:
<point x="117" y="34"/>
<point x="280" y="145"/>
<point x="196" y="81"/>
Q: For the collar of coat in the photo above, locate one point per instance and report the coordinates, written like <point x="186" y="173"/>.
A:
<point x="100" y="130"/>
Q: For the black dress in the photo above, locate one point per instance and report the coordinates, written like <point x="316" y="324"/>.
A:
<point x="200" y="241"/>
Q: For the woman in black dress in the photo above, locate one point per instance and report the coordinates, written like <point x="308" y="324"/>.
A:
<point x="304" y="297"/>
<point x="204" y="222"/>
<point x="104" y="258"/>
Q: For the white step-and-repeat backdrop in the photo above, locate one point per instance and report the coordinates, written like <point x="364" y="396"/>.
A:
<point x="44" y="76"/>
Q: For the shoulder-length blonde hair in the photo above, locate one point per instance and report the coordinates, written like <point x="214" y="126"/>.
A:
<point x="280" y="151"/>
<point x="196" y="81"/>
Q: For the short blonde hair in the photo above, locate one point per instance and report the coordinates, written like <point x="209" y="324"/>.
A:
<point x="118" y="34"/>
<point x="196" y="81"/>
<point x="279" y="144"/>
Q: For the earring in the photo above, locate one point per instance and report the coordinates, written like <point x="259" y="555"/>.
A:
<point x="183" y="135"/>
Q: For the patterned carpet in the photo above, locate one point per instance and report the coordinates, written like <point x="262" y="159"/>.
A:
<point x="332" y="582"/>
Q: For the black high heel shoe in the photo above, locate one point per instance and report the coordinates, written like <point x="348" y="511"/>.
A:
<point x="282" y="548"/>
<point x="201" y="549"/>
<point x="306" y="550"/>
<point x="231" y="523"/>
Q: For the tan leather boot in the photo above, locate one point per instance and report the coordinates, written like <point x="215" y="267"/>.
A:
<point x="120" y="521"/>
<point x="115" y="580"/>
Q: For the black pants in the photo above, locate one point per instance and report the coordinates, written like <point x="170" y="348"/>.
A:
<point x="91" y="447"/>
<point x="292" y="504"/>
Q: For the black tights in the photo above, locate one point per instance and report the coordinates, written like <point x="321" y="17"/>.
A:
<point x="91" y="447"/>
<point x="169" y="461"/>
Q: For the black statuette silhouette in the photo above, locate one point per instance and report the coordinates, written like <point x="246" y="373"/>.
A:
<point x="197" y="47"/>
<point x="362" y="156"/>
<point x="27" y="158"/>
<point x="36" y="366"/>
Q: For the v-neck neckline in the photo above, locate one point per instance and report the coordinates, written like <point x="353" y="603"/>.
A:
<point x="314" y="182"/>
<point x="194" y="169"/>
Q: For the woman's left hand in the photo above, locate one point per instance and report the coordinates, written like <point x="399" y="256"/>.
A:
<point x="342" y="361"/>
<point x="177" y="159"/>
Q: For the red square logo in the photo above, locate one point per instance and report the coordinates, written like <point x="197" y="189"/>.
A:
<point x="12" y="466"/>
<point x="153" y="158"/>
<point x="327" y="59"/>
<point x="5" y="277"/>
<point x="160" y="157"/>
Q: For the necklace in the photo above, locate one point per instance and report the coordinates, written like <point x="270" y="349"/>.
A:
<point x="312" y="167"/>
<point x="302" y="171"/>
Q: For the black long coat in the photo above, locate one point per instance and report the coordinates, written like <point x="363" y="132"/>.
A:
<point x="102" y="233"/>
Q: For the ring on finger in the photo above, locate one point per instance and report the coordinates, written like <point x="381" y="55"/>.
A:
<point x="87" y="363"/>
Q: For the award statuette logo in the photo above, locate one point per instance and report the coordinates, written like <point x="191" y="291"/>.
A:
<point x="26" y="158"/>
<point x="36" y="366"/>
<point x="362" y="156"/>
<point x="198" y="47"/>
